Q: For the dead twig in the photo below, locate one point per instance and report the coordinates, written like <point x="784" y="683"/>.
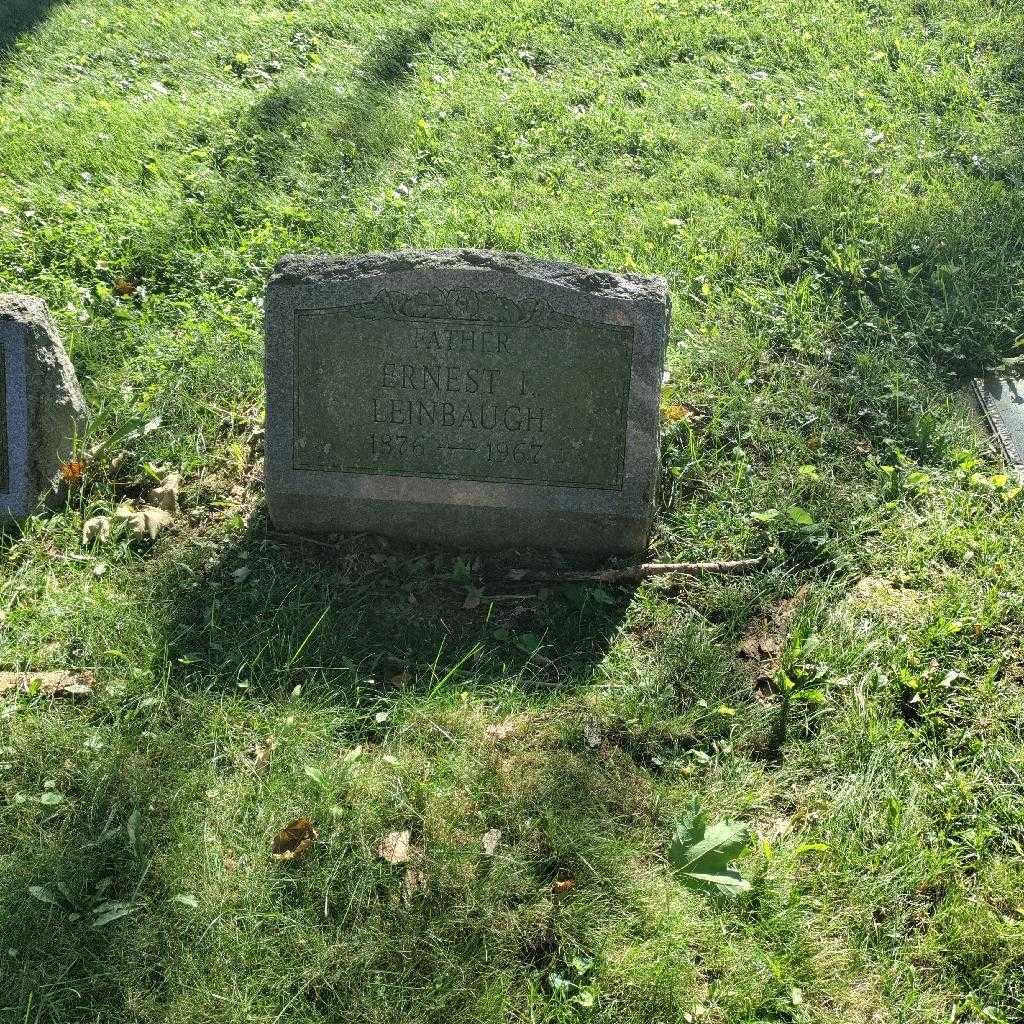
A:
<point x="281" y="537"/>
<point x="632" y="573"/>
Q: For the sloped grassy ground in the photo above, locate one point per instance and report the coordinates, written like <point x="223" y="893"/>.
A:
<point x="834" y="192"/>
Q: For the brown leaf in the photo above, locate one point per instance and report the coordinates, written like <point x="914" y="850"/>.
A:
<point x="73" y="471"/>
<point x="294" y="840"/>
<point x="96" y="529"/>
<point x="166" y="495"/>
<point x="259" y="754"/>
<point x="563" y="886"/>
<point x="414" y="881"/>
<point x="147" y="521"/>
<point x="501" y="731"/>
<point x="60" y="683"/>
<point x="491" y="839"/>
<point x="396" y="847"/>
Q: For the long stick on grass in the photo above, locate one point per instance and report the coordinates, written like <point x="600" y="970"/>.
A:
<point x="633" y="573"/>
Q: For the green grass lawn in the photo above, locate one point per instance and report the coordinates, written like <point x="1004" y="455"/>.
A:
<point x="834" y="191"/>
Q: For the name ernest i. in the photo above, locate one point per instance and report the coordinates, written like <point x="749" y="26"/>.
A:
<point x="445" y="379"/>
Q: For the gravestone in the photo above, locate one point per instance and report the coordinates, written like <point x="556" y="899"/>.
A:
<point x="1002" y="401"/>
<point x="41" y="406"/>
<point x="464" y="398"/>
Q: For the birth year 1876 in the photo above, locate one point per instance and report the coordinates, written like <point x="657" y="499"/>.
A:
<point x="518" y="452"/>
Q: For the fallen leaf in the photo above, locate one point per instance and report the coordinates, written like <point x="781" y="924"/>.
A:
<point x="563" y="886"/>
<point x="60" y="683"/>
<point x="294" y="840"/>
<point x="676" y="413"/>
<point x="396" y="847"/>
<point x="259" y="753"/>
<point x="96" y="529"/>
<point x="491" y="839"/>
<point x="144" y="522"/>
<point x="73" y="471"/>
<point x="700" y="854"/>
<point x="166" y="495"/>
<point x="414" y="881"/>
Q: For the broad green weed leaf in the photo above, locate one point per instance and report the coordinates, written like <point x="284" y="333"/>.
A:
<point x="700" y="855"/>
<point x="800" y="516"/>
<point x="107" y="913"/>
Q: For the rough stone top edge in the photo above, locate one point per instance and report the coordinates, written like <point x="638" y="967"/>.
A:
<point x="294" y="269"/>
<point x="23" y="308"/>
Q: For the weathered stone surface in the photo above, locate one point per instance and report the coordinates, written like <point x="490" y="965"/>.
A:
<point x="1002" y="401"/>
<point x="41" y="405"/>
<point x="465" y="398"/>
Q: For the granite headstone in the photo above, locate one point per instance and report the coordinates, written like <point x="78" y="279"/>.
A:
<point x="465" y="398"/>
<point x="41" y="406"/>
<point x="1002" y="401"/>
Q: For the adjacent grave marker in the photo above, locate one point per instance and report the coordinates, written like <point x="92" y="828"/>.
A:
<point x="465" y="398"/>
<point x="1002" y="401"/>
<point x="41" y="405"/>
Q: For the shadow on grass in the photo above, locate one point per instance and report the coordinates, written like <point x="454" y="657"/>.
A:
<point x="365" y="617"/>
<point x="151" y="887"/>
<point x="20" y="16"/>
<point x="912" y="307"/>
<point x="302" y="137"/>
<point x="73" y="914"/>
<point x="294" y="154"/>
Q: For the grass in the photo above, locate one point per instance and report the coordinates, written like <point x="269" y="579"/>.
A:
<point x="834" y="193"/>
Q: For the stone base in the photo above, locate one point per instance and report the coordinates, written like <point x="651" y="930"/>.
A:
<point x="462" y="527"/>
